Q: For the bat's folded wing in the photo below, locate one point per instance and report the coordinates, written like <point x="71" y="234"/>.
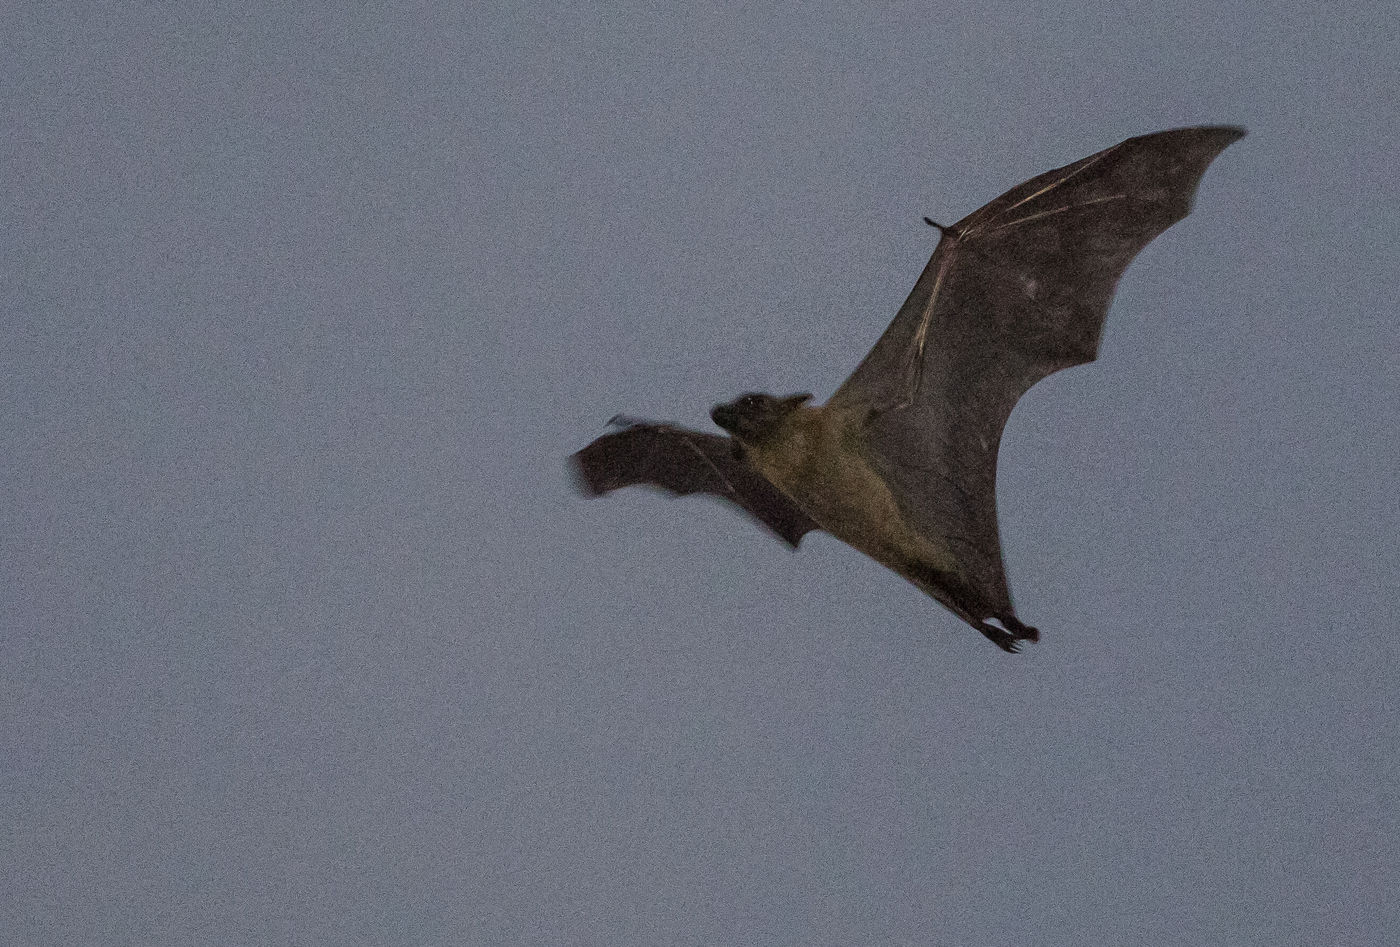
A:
<point x="686" y="462"/>
<point x="1013" y="292"/>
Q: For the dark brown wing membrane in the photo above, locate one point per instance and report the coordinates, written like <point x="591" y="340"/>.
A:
<point x="686" y="462"/>
<point x="1018" y="290"/>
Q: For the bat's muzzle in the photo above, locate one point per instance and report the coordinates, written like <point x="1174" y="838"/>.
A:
<point x="725" y="416"/>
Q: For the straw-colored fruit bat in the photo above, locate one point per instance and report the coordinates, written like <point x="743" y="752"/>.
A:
<point x="901" y="462"/>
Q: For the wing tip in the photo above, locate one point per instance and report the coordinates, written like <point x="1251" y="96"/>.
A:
<point x="1225" y="134"/>
<point x="582" y="478"/>
<point x="594" y="469"/>
<point x="1229" y="131"/>
<point x="1232" y="132"/>
<point x="1214" y="138"/>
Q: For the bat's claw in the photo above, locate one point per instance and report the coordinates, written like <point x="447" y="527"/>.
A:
<point x="1003" y="639"/>
<point x="1020" y="629"/>
<point x="1008" y="640"/>
<point x="946" y="231"/>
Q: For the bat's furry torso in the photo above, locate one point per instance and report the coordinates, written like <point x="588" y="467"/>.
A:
<point x="815" y="456"/>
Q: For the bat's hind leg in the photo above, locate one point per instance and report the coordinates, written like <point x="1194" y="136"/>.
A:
<point x="1003" y="629"/>
<point x="1008" y="632"/>
<point x="1019" y="628"/>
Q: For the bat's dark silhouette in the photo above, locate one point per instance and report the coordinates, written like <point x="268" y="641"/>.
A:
<point x="901" y="461"/>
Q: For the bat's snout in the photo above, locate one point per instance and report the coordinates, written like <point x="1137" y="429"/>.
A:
<point x="725" y="416"/>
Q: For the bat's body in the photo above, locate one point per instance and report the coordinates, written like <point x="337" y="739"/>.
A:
<point x="901" y="461"/>
<point x="819" y="458"/>
<point x="815" y="456"/>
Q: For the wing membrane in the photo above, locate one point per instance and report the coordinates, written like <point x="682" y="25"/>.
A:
<point x="1013" y="292"/>
<point x="687" y="462"/>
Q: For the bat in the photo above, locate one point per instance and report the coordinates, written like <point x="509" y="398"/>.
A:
<point x="901" y="462"/>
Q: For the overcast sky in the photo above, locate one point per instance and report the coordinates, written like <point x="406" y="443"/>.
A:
<point x="308" y="639"/>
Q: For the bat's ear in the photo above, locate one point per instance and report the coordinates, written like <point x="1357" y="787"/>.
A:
<point x="793" y="402"/>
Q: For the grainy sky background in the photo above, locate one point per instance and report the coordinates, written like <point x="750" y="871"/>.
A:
<point x="308" y="640"/>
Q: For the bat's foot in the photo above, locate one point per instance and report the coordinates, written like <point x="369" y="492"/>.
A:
<point x="1020" y="629"/>
<point x="1004" y="640"/>
<point x="1008" y="632"/>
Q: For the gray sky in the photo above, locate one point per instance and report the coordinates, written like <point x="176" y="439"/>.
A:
<point x="307" y="638"/>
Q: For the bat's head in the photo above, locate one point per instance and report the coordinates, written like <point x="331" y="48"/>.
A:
<point x="755" y="417"/>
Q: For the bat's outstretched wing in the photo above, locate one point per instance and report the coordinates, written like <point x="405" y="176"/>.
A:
<point x="685" y="462"/>
<point x="1015" y="291"/>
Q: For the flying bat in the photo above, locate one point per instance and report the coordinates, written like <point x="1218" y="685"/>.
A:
<point x="901" y="462"/>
